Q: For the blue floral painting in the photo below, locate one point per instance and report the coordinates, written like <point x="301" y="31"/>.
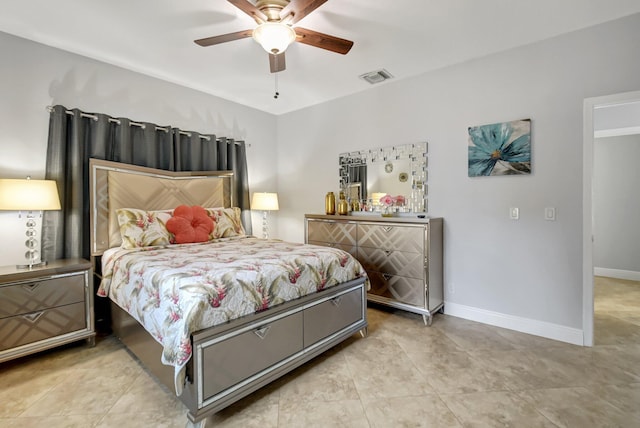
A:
<point x="500" y="148"/>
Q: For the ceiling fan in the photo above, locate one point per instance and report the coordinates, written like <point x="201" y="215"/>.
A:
<point x="275" y="32"/>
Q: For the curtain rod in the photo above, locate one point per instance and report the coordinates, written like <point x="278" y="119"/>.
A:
<point x="141" y="125"/>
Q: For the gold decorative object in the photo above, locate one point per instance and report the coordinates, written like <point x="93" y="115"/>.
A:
<point x="343" y="205"/>
<point x="330" y="203"/>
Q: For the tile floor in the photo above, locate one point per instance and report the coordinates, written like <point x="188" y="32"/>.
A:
<point x="456" y="373"/>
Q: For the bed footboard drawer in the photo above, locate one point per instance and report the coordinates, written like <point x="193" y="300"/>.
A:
<point x="229" y="361"/>
<point x="332" y="315"/>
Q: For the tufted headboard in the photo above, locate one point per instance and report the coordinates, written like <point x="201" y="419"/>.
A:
<point x="114" y="185"/>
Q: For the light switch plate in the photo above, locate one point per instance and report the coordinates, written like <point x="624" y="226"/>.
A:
<point x="550" y="213"/>
<point x="514" y="213"/>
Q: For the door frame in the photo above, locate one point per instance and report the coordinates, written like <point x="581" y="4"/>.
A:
<point x="590" y="104"/>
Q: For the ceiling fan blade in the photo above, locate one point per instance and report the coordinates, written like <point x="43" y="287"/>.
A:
<point x="323" y="41"/>
<point x="208" y="41"/>
<point x="298" y="9"/>
<point x="250" y="10"/>
<point x="277" y="62"/>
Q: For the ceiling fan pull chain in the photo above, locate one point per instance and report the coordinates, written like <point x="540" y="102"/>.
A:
<point x="277" y="93"/>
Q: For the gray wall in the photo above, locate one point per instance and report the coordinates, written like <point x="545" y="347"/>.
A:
<point x="616" y="203"/>
<point x="34" y="76"/>
<point x="524" y="274"/>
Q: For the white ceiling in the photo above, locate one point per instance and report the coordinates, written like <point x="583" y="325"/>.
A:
<point x="405" y="37"/>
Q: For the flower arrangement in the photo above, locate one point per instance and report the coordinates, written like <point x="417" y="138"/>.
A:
<point x="389" y="201"/>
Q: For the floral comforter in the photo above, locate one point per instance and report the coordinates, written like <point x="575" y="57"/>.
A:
<point x="176" y="290"/>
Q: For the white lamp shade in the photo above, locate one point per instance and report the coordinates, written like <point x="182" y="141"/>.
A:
<point x="274" y="36"/>
<point x="28" y="195"/>
<point x="265" y="201"/>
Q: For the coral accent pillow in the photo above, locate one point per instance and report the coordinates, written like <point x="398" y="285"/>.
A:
<point x="190" y="224"/>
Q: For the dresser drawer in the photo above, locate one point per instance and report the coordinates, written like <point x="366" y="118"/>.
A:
<point x="410" y="291"/>
<point x="27" y="297"/>
<point x="392" y="262"/>
<point x="28" y="328"/>
<point x="331" y="232"/>
<point x="229" y="361"/>
<point x="351" y="249"/>
<point x="331" y="315"/>
<point x="392" y="237"/>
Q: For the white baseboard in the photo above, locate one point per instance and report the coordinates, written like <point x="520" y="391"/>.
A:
<point x="524" y="325"/>
<point x="617" y="273"/>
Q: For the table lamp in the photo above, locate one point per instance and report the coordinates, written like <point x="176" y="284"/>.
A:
<point x="29" y="195"/>
<point x="265" y="202"/>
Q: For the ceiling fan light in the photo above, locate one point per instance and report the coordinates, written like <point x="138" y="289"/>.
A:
<point x="274" y="36"/>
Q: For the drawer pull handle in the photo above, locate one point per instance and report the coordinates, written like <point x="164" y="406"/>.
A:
<point x="262" y="331"/>
<point x="31" y="287"/>
<point x="386" y="276"/>
<point x="388" y="252"/>
<point x="336" y="301"/>
<point x="387" y="228"/>
<point x="32" y="318"/>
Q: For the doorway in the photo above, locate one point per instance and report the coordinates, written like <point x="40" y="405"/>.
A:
<point x="590" y="105"/>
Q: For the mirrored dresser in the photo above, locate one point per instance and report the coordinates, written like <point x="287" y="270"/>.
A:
<point x="402" y="256"/>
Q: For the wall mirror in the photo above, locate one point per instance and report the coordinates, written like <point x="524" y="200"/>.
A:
<point x="401" y="170"/>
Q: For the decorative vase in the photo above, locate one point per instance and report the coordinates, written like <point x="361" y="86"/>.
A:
<point x="343" y="205"/>
<point x="330" y="203"/>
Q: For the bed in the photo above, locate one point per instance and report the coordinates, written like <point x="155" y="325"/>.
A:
<point x="214" y="320"/>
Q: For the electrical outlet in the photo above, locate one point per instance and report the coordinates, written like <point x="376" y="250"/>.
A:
<point x="514" y="213"/>
<point x="550" y="213"/>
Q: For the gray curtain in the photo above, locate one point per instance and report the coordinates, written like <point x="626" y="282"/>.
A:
<point x="358" y="174"/>
<point x="76" y="136"/>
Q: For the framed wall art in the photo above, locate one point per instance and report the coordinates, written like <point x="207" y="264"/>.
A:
<point x="500" y="148"/>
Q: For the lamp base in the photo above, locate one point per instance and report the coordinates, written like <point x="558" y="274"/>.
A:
<point x="265" y="225"/>
<point x="32" y="265"/>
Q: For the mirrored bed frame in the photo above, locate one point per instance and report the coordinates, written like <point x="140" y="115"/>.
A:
<point x="248" y="352"/>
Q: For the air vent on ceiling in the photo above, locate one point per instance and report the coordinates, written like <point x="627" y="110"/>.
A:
<point x="377" y="76"/>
